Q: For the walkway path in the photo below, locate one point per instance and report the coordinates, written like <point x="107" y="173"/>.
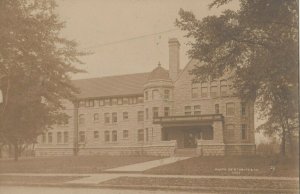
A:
<point x="140" y="167"/>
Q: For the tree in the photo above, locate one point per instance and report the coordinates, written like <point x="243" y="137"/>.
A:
<point x="35" y="68"/>
<point x="258" y="45"/>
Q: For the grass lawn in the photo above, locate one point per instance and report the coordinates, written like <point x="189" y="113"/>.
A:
<point x="205" y="182"/>
<point x="70" y="164"/>
<point x="230" y="165"/>
<point x="6" y="179"/>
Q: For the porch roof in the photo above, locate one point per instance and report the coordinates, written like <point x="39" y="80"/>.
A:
<point x="188" y="119"/>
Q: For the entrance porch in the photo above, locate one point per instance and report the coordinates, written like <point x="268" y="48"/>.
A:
<point x="203" y="134"/>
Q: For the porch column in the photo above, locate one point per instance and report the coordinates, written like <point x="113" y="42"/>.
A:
<point x="218" y="131"/>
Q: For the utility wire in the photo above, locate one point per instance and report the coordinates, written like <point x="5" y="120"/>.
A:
<point x="128" y="39"/>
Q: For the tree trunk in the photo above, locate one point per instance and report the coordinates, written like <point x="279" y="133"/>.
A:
<point x="283" y="143"/>
<point x="16" y="154"/>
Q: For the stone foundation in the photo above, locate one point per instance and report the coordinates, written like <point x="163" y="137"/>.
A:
<point x="240" y="149"/>
<point x="45" y="152"/>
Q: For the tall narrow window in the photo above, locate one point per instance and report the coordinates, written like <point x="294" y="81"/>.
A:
<point x="155" y="112"/>
<point x="187" y="110"/>
<point x="114" y="135"/>
<point x="147" y="113"/>
<point x="50" y="137"/>
<point x="125" y="115"/>
<point x="204" y="90"/>
<point x="214" y="89"/>
<point x="96" y="117"/>
<point x="114" y="117"/>
<point x="120" y="101"/>
<point x="101" y="102"/>
<point x="197" y="110"/>
<point x="134" y="100"/>
<point x="166" y="94"/>
<point x="81" y="136"/>
<point x="106" y="118"/>
<point x="141" y="135"/>
<point x="229" y="132"/>
<point x="146" y="95"/>
<point x="243" y="109"/>
<point x="230" y="109"/>
<point x="244" y="131"/>
<point x="167" y="111"/>
<point x="125" y="100"/>
<point x="194" y="91"/>
<point x="140" y="116"/>
<point x="106" y="136"/>
<point x="81" y="119"/>
<point x="223" y="88"/>
<point x="217" y="109"/>
<point x="146" y="134"/>
<point x="66" y="137"/>
<point x="59" y="138"/>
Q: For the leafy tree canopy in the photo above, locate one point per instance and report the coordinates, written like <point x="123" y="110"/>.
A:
<point x="258" y="44"/>
<point x="35" y="68"/>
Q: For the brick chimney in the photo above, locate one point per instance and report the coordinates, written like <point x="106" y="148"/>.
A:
<point x="174" y="59"/>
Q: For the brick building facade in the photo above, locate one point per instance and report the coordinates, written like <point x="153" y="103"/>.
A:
<point x="157" y="113"/>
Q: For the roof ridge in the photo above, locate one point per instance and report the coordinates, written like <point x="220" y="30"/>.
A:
<point x="109" y="76"/>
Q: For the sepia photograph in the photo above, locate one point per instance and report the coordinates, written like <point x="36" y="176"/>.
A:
<point x="149" y="96"/>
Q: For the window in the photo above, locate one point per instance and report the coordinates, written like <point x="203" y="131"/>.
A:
<point x="204" y="90"/>
<point x="125" y="134"/>
<point x="197" y="110"/>
<point x="107" y="102"/>
<point x="66" y="137"/>
<point x="155" y="112"/>
<point x="101" y="102"/>
<point x="223" y="88"/>
<point x="243" y="109"/>
<point x="106" y="118"/>
<point x="81" y="136"/>
<point x="50" y="137"/>
<point x="59" y="137"/>
<point x="167" y="94"/>
<point x="230" y="132"/>
<point x="141" y="135"/>
<point x="140" y="99"/>
<point x="217" y="109"/>
<point x="43" y="138"/>
<point x="146" y="95"/>
<point x="89" y="103"/>
<point x="147" y="113"/>
<point x="213" y="91"/>
<point x="187" y="110"/>
<point x="134" y="100"/>
<point x="147" y="134"/>
<point x="140" y="115"/>
<point x="114" y="101"/>
<point x="120" y="101"/>
<point x="96" y="117"/>
<point x="96" y="103"/>
<point x="244" y="131"/>
<point x="81" y="119"/>
<point x="125" y="100"/>
<point x="167" y="111"/>
<point x="114" y="135"/>
<point x="155" y="95"/>
<point x="125" y="115"/>
<point x="96" y="134"/>
<point x="230" y="109"/>
<point x="114" y="117"/>
<point x="106" y="136"/>
<point x="194" y="92"/>
<point x="130" y="101"/>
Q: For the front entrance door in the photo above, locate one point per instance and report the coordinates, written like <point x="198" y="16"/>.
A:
<point x="190" y="140"/>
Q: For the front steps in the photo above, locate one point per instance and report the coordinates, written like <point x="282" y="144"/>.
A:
<point x="187" y="152"/>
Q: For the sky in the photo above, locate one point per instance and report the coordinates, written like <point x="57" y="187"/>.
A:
<point x="129" y="36"/>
